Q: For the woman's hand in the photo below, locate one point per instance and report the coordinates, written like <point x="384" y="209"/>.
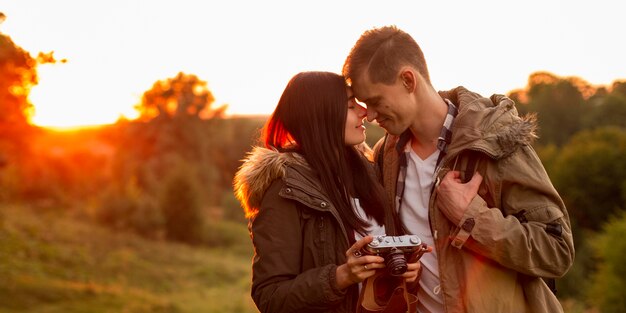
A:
<point x="358" y="267"/>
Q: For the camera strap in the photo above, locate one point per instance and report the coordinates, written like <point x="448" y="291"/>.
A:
<point x="383" y="293"/>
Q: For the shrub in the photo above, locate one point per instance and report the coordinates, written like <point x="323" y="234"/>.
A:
<point x="130" y="209"/>
<point x="180" y="203"/>
<point x="231" y="208"/>
<point x="608" y="283"/>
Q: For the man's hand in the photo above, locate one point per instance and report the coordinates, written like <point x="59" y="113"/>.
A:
<point x="454" y="197"/>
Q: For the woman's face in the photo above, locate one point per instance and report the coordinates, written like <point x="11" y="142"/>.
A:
<point x="355" y="131"/>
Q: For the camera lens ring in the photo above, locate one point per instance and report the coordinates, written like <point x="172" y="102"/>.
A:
<point x="396" y="262"/>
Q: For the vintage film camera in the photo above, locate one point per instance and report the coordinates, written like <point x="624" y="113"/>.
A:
<point x="396" y="250"/>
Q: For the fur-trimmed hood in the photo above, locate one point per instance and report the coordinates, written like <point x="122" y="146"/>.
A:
<point x="491" y="125"/>
<point x="259" y="169"/>
<point x="262" y="166"/>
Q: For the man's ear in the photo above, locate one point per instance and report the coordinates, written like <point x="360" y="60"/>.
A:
<point x="408" y="79"/>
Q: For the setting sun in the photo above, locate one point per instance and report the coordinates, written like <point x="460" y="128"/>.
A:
<point x="61" y="104"/>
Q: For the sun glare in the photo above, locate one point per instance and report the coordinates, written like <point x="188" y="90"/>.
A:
<point x="61" y="101"/>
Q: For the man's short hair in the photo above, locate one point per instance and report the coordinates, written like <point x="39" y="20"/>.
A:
<point x="381" y="52"/>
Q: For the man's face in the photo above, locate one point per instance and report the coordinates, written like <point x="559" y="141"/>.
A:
<point x="390" y="105"/>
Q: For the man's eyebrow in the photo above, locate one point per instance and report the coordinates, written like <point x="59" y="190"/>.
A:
<point x="371" y="100"/>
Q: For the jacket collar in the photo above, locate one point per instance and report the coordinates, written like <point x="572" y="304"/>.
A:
<point x="491" y="125"/>
<point x="263" y="166"/>
<point x="259" y="169"/>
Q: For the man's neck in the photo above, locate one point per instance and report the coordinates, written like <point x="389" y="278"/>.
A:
<point x="427" y="127"/>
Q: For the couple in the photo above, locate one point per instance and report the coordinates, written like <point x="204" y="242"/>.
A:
<point x="455" y="169"/>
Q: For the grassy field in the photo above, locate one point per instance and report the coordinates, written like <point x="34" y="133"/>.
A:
<point x="50" y="263"/>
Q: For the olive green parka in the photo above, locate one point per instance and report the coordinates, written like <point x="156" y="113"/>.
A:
<point x="515" y="231"/>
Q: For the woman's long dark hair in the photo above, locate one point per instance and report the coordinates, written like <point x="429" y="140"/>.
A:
<point x="310" y="119"/>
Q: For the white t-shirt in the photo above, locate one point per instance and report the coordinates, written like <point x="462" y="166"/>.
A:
<point x="414" y="216"/>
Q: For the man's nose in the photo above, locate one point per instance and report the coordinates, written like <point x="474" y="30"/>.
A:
<point x="371" y="115"/>
<point x="362" y="112"/>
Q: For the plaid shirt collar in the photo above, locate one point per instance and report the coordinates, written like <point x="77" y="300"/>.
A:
<point x="442" y="145"/>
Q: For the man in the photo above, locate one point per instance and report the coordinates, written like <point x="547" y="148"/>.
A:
<point x="462" y="174"/>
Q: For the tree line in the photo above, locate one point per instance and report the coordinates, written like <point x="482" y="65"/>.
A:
<point x="582" y="142"/>
<point x="167" y="174"/>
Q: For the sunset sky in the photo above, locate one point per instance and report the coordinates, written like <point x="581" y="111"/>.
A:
<point x="248" y="50"/>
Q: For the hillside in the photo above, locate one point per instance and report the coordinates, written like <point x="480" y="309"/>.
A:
<point x="53" y="263"/>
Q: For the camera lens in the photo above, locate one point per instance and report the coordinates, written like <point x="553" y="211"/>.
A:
<point x="396" y="262"/>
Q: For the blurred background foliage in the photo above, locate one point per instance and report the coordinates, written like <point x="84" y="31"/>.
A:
<point x="139" y="216"/>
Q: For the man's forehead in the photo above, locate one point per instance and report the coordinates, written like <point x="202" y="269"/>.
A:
<point x="364" y="89"/>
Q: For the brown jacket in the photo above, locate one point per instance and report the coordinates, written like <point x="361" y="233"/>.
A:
<point x="298" y="237"/>
<point x="515" y="231"/>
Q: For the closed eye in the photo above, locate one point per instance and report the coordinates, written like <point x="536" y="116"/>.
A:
<point x="352" y="103"/>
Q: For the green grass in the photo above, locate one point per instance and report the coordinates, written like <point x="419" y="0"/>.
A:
<point x="51" y="263"/>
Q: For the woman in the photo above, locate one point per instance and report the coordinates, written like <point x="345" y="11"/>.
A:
<point x="312" y="199"/>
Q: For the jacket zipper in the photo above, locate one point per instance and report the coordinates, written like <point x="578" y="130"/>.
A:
<point x="431" y="209"/>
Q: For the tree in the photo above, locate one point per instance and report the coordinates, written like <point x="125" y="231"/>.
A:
<point x="180" y="205"/>
<point x="18" y="74"/>
<point x="182" y="96"/>
<point x="608" y="108"/>
<point x="590" y="174"/>
<point x="609" y="111"/>
<point x="619" y="87"/>
<point x="608" y="283"/>
<point x="176" y="126"/>
<point x="176" y="115"/>
<point x="560" y="104"/>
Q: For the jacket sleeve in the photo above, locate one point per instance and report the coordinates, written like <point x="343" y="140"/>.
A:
<point x="278" y="282"/>
<point x="534" y="237"/>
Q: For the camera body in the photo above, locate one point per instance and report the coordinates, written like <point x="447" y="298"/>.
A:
<point x="395" y="250"/>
